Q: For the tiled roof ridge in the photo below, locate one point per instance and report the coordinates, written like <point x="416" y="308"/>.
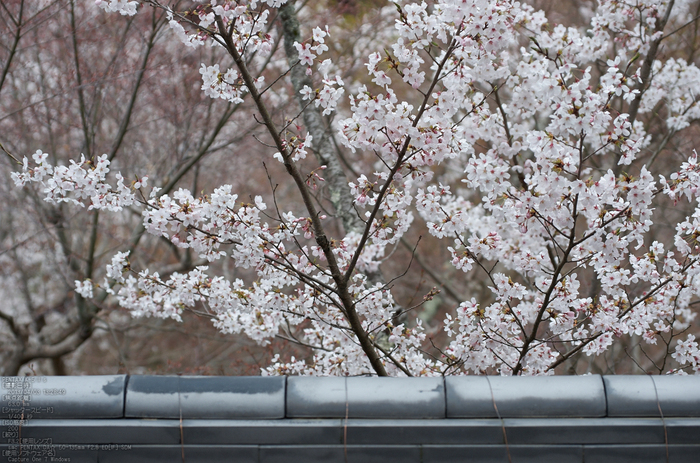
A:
<point x="276" y="397"/>
<point x="154" y="419"/>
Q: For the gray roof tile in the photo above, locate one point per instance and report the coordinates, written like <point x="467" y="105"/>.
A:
<point x="317" y="397"/>
<point x="525" y="396"/>
<point x="398" y="398"/>
<point x="637" y="395"/>
<point x="206" y="397"/>
<point x="58" y="397"/>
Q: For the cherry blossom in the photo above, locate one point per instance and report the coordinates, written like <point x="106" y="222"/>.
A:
<point x="523" y="147"/>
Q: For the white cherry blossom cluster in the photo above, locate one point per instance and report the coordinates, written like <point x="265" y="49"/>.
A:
<point x="308" y="52"/>
<point x="528" y="162"/>
<point x="674" y="82"/>
<point x="226" y="86"/>
<point x="688" y="353"/>
<point x="249" y="18"/>
<point x="124" y="7"/>
<point x="328" y="96"/>
<point x="298" y="147"/>
<point x="80" y="183"/>
<point x="554" y="189"/>
<point x="685" y="182"/>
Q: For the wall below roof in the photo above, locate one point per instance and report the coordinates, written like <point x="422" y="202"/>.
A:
<point x="558" y="419"/>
